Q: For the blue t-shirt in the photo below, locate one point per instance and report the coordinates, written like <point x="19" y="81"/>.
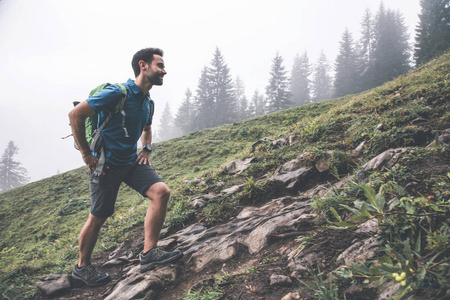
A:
<point x="121" y="150"/>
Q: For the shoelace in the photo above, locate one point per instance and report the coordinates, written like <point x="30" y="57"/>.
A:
<point x="160" y="252"/>
<point x="93" y="272"/>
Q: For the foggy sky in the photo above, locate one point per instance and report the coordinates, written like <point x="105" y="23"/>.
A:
<point x="53" y="52"/>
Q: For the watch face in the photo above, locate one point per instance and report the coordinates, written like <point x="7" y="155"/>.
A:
<point x="148" y="148"/>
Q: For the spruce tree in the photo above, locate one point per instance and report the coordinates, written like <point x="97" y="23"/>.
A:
<point x="365" y="52"/>
<point x="166" y="128"/>
<point x="12" y="174"/>
<point x="222" y="92"/>
<point x="277" y="91"/>
<point x="345" y="81"/>
<point x="185" y="113"/>
<point x="321" y="83"/>
<point x="240" y="100"/>
<point x="391" y="52"/>
<point x="433" y="31"/>
<point x="204" y="104"/>
<point x="300" y="82"/>
<point x="257" y="106"/>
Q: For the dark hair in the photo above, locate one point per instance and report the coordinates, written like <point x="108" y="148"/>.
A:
<point x="145" y="55"/>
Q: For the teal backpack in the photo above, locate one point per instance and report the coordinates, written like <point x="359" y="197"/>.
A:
<point x="93" y="128"/>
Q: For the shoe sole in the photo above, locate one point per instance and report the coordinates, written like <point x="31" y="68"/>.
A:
<point x="153" y="265"/>
<point x="103" y="282"/>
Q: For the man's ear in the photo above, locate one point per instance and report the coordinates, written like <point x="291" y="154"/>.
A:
<point x="143" y="65"/>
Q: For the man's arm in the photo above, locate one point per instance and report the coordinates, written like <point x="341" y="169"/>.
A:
<point x="77" y="118"/>
<point x="146" y="139"/>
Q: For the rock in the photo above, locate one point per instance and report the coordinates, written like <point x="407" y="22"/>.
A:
<point x="388" y="289"/>
<point x="116" y="261"/>
<point x="232" y="189"/>
<point x="324" y="163"/>
<point x="167" y="243"/>
<point x="299" y="266"/>
<point x="263" y="140"/>
<point x="198" y="202"/>
<point x="258" y="238"/>
<point x="239" y="165"/>
<point x="292" y="296"/>
<point x="290" y="166"/>
<point x="297" y="178"/>
<point x="220" y="184"/>
<point x="443" y="138"/>
<point x="294" y="139"/>
<point x="360" y="251"/>
<point x="370" y="226"/>
<point x="380" y="127"/>
<point x="280" y="280"/>
<point x="358" y="150"/>
<point x="363" y="291"/>
<point x="137" y="285"/>
<point x="301" y="161"/>
<point x="251" y="231"/>
<point x="279" y="143"/>
<point x="52" y="284"/>
<point x="221" y="251"/>
<point x="385" y="160"/>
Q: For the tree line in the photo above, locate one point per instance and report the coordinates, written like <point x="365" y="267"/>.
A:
<point x="381" y="54"/>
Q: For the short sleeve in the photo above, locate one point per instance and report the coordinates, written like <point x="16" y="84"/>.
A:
<point x="106" y="99"/>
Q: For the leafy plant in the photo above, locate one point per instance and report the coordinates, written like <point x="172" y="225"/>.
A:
<point x="323" y="291"/>
<point x="404" y="223"/>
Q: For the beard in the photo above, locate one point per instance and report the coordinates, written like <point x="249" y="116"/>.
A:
<point x="155" y="79"/>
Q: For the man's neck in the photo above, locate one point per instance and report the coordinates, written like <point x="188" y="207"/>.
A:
<point x="143" y="84"/>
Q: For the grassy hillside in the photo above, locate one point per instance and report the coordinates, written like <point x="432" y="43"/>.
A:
<point x="40" y="221"/>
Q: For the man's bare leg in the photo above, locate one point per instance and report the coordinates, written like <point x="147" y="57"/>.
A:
<point x="159" y="194"/>
<point x="88" y="238"/>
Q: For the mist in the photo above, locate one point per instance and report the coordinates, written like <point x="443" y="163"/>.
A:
<point x="54" y="52"/>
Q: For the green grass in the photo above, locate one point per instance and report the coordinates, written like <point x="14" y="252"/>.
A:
<point x="40" y="221"/>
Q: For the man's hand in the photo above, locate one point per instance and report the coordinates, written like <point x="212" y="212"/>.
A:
<point x="91" y="161"/>
<point x="144" y="158"/>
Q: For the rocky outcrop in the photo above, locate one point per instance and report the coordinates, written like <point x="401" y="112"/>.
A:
<point x="251" y="232"/>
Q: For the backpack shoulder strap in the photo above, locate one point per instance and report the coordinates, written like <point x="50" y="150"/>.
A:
<point x="151" y="104"/>
<point x="121" y="107"/>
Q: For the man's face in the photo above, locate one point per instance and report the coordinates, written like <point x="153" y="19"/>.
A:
<point x="155" y="71"/>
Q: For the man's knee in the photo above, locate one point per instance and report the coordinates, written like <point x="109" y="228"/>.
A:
<point x="96" y="222"/>
<point x="159" y="191"/>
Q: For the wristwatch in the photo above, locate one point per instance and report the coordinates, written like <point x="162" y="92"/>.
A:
<point x="147" y="148"/>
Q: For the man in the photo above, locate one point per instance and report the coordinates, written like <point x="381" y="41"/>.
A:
<point x="123" y="164"/>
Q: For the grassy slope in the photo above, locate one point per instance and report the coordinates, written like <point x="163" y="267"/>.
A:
<point x="40" y="221"/>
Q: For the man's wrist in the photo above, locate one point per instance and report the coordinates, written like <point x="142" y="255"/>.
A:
<point x="147" y="148"/>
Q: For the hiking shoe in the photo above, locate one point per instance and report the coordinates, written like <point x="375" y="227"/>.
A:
<point x="157" y="256"/>
<point x="90" y="275"/>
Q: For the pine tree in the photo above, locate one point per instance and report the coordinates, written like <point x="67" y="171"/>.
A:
<point x="185" y="114"/>
<point x="391" y="52"/>
<point x="277" y="91"/>
<point x="12" y="174"/>
<point x="433" y="31"/>
<point x="365" y="51"/>
<point x="300" y="82"/>
<point x="322" y="86"/>
<point x="221" y="86"/>
<point x="345" y="81"/>
<point x="204" y="105"/>
<point x="240" y="99"/>
<point x="166" y="129"/>
<point x="257" y="106"/>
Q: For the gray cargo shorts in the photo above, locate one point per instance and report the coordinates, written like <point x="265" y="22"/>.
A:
<point x="104" y="193"/>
